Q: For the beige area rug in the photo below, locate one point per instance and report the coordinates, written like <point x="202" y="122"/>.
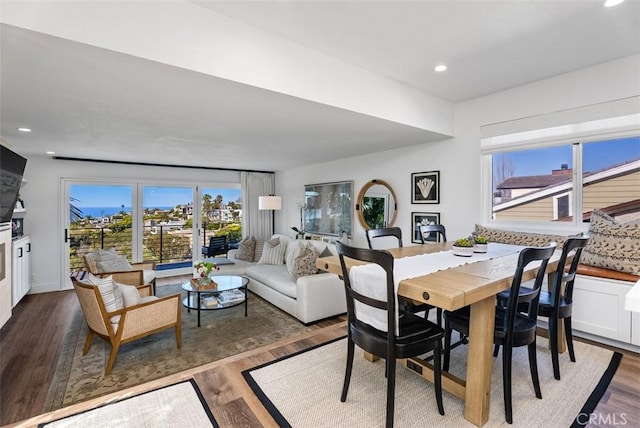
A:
<point x="304" y="390"/>
<point x="173" y="406"/>
<point x="223" y="333"/>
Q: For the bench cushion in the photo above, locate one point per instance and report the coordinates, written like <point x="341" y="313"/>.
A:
<point x="606" y="273"/>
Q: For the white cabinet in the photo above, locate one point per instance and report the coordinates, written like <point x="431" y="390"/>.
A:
<point x="5" y="273"/>
<point x="21" y="269"/>
<point x="598" y="307"/>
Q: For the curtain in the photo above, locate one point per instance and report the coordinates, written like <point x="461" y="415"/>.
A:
<point x="255" y="222"/>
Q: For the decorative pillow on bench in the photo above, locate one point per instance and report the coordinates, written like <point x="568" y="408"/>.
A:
<point x="613" y="245"/>
<point x="520" y="238"/>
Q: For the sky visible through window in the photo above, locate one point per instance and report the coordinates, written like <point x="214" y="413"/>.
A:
<point x="596" y="156"/>
<point x="116" y="196"/>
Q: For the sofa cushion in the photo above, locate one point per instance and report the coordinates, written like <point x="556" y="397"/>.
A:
<point x="273" y="252"/>
<point x="293" y="250"/>
<point x="613" y="245"/>
<point x="276" y="277"/>
<point x="305" y="262"/>
<point x="247" y="249"/>
<point x="520" y="238"/>
<point x="258" y="250"/>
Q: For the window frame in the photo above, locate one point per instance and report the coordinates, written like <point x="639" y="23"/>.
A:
<point x="577" y="142"/>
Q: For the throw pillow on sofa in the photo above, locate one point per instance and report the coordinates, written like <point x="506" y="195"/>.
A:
<point x="305" y="263"/>
<point x="293" y="250"/>
<point x="247" y="249"/>
<point x="613" y="245"/>
<point x="258" y="251"/>
<point x="273" y="252"/>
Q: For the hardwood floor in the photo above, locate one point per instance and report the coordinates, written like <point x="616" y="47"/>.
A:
<point x="30" y="344"/>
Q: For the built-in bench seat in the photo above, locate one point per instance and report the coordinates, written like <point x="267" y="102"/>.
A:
<point x="606" y="273"/>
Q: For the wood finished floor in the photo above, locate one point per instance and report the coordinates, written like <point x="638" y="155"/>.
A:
<point x="30" y="344"/>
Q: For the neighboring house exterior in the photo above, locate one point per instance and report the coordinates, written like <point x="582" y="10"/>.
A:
<point x="615" y="189"/>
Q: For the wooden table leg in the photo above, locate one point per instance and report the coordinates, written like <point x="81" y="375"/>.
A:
<point x="480" y="359"/>
<point x="562" y="344"/>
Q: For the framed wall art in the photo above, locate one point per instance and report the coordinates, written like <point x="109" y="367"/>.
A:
<point x="420" y="219"/>
<point x="425" y="187"/>
<point x="328" y="208"/>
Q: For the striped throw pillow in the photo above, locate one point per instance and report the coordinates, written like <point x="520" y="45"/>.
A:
<point x="273" y="252"/>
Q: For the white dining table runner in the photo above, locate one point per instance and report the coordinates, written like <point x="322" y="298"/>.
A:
<point x="370" y="279"/>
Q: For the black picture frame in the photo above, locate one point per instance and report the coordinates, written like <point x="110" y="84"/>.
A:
<point x="419" y="218"/>
<point x="425" y="187"/>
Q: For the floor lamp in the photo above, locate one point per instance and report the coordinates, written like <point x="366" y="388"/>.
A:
<point x="271" y="203"/>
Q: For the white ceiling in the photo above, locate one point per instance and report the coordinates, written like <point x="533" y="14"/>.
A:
<point x="94" y="103"/>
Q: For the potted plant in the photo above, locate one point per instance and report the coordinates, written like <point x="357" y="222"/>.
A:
<point x="463" y="247"/>
<point x="480" y="244"/>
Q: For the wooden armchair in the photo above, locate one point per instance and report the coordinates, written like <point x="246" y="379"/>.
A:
<point x="142" y="273"/>
<point x="150" y="316"/>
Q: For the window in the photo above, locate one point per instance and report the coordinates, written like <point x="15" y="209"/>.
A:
<point x="537" y="184"/>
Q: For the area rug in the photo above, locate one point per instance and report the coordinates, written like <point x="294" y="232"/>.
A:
<point x="303" y="390"/>
<point x="223" y="333"/>
<point x="178" y="405"/>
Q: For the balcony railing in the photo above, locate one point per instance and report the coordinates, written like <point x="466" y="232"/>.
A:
<point x="160" y="243"/>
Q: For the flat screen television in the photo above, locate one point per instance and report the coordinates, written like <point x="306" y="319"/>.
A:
<point x="11" y="170"/>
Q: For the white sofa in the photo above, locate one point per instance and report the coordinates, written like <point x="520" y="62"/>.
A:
<point x="308" y="298"/>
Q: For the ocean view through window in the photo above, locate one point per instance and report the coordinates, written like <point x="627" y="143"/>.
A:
<point x="160" y="228"/>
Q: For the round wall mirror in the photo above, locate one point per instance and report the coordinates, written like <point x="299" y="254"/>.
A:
<point x="376" y="205"/>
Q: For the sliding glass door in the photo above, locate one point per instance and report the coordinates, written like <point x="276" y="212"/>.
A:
<point x="167" y="224"/>
<point x="98" y="216"/>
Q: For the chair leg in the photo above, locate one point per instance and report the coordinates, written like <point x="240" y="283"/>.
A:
<point x="496" y="349"/>
<point x="178" y="335"/>
<point x="553" y="342"/>
<point x="506" y="382"/>
<point x="391" y="389"/>
<point x="347" y="372"/>
<point x="437" y="376"/>
<point x="439" y="316"/>
<point x="447" y="345"/>
<point x="569" y="336"/>
<point x="533" y="367"/>
<point x="87" y="343"/>
<point x="112" y="357"/>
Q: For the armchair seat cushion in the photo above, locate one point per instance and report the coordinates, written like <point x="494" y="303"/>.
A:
<point x="149" y="276"/>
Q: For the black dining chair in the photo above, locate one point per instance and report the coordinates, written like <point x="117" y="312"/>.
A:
<point x="407" y="305"/>
<point x="512" y="328"/>
<point x="395" y="232"/>
<point x="416" y="337"/>
<point x="558" y="304"/>
<point x="425" y="232"/>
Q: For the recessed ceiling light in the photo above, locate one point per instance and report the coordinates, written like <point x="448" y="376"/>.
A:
<point x="23" y="129"/>
<point x="50" y="153"/>
<point x="611" y="3"/>
<point x="440" y="68"/>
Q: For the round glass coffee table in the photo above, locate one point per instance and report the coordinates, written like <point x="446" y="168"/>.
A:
<point x="226" y="291"/>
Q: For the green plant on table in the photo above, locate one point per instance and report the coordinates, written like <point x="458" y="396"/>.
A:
<point x="480" y="239"/>
<point x="463" y="242"/>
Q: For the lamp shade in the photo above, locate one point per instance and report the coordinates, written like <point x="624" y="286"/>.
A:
<point x="270" y="203"/>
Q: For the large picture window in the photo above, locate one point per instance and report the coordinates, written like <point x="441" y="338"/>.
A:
<point x="548" y="182"/>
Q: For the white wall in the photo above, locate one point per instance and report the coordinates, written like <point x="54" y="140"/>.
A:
<point x="43" y="201"/>
<point x="458" y="158"/>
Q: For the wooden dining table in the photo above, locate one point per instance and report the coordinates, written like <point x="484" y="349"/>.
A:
<point x="475" y="285"/>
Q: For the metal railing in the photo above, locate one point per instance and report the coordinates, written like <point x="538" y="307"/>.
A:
<point x="160" y="243"/>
